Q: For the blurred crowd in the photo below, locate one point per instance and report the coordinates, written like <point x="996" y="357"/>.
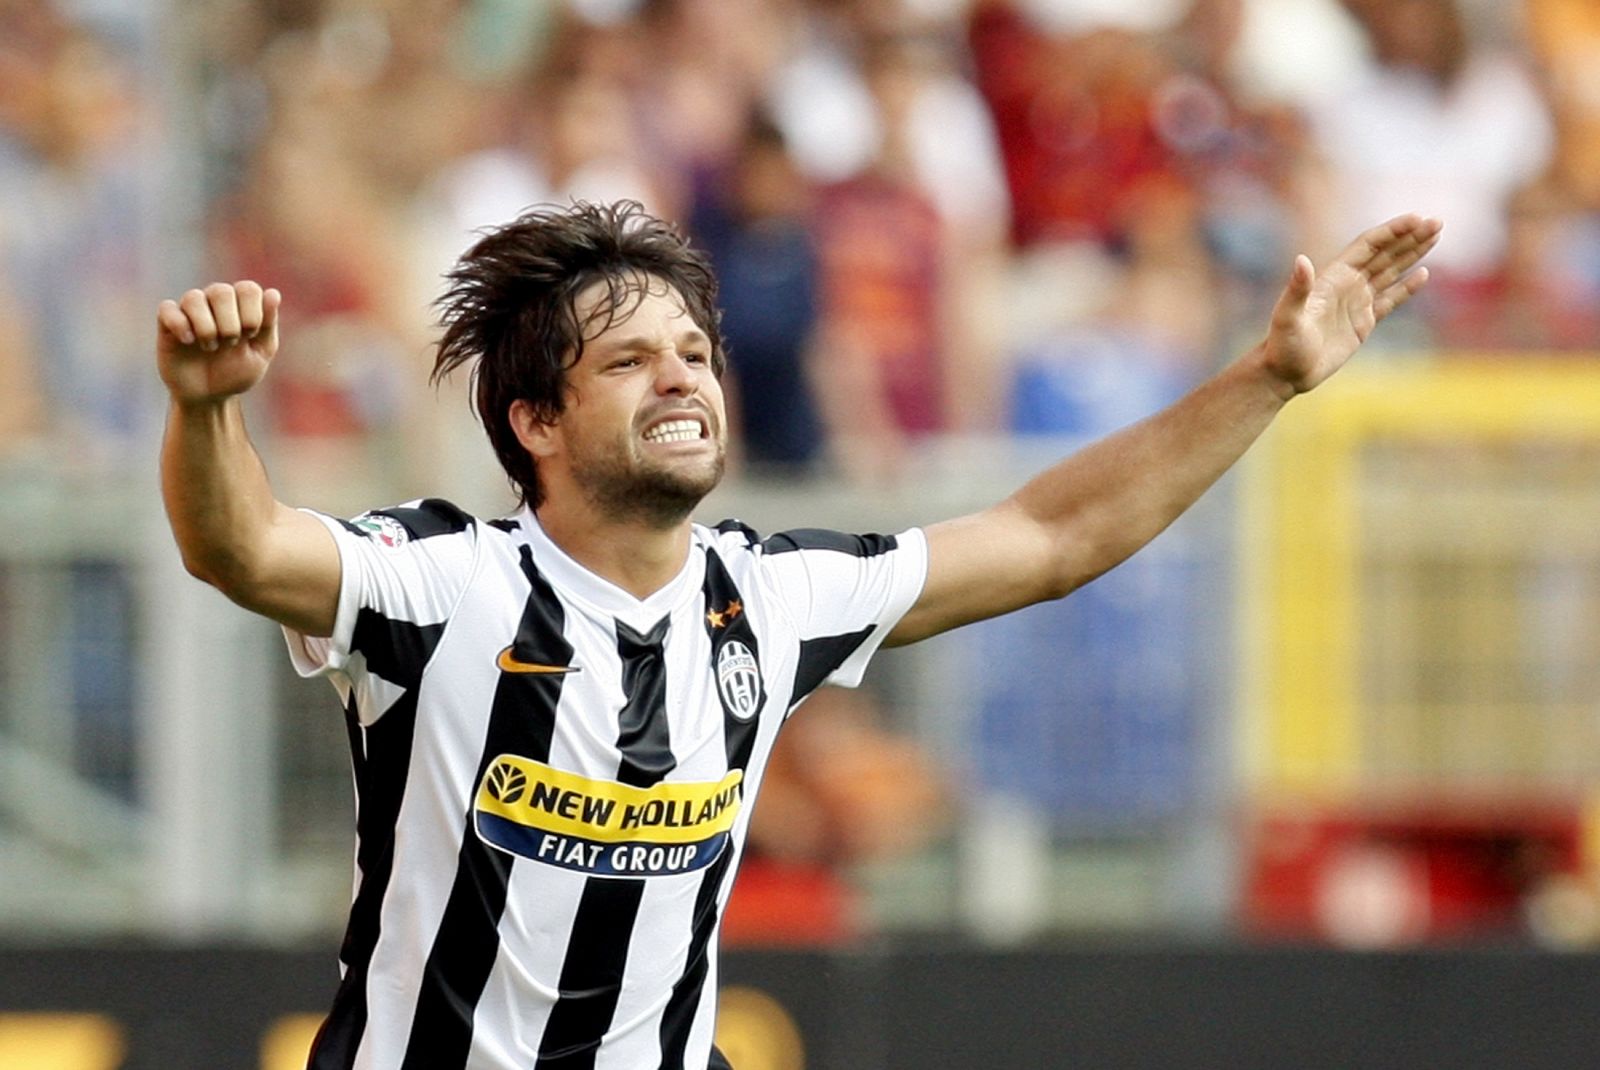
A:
<point x="931" y="219"/>
<point x="930" y="216"/>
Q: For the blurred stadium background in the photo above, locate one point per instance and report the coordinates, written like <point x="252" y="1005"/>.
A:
<point x="1311" y="782"/>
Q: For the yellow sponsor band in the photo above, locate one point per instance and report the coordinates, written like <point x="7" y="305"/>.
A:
<point x="533" y="794"/>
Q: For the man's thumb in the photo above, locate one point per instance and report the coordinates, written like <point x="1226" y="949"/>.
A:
<point x="1298" y="288"/>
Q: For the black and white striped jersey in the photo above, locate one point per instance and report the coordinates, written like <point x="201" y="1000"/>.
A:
<point x="554" y="778"/>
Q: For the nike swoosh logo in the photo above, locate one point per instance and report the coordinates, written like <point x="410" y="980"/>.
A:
<point x="508" y="663"/>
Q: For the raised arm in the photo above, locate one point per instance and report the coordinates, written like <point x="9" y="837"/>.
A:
<point x="212" y="345"/>
<point x="1091" y="511"/>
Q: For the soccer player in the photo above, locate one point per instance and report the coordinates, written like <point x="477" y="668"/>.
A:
<point x="559" y="719"/>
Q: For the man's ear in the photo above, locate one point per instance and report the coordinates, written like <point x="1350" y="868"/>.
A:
<point x="537" y="436"/>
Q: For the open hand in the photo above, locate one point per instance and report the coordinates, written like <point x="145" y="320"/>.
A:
<point x="1323" y="317"/>
<point x="216" y="342"/>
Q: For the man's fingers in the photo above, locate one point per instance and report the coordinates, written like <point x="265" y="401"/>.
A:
<point x="248" y="296"/>
<point x="197" y="309"/>
<point x="1399" y="293"/>
<point x="174" y="322"/>
<point x="1401" y="246"/>
<point x="1296" y="291"/>
<point x="1381" y="239"/>
<point x="1388" y="269"/>
<point x="271" y="299"/>
<point x="1369" y="243"/>
<point x="224" y="301"/>
<point x="221" y="315"/>
<point x="1406" y="242"/>
<point x="1302" y="276"/>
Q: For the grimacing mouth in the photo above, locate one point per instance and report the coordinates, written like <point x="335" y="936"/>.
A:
<point x="678" y="426"/>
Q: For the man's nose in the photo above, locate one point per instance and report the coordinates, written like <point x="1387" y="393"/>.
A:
<point x="673" y="374"/>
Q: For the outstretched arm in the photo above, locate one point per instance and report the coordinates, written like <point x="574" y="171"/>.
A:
<point x="212" y="345"/>
<point x="1091" y="511"/>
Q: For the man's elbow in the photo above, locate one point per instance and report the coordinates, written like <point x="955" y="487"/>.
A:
<point x="1072" y="565"/>
<point x="230" y="573"/>
<point x="202" y="567"/>
<point x="1058" y="585"/>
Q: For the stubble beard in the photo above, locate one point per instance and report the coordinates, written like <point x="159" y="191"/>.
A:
<point x="626" y="488"/>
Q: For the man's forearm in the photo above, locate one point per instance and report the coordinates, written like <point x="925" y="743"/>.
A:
<point x="212" y="345"/>
<point x="1097" y="507"/>
<point x="215" y="488"/>
<point x="1106" y="501"/>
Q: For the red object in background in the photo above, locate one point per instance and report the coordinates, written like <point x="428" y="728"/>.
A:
<point x="303" y="400"/>
<point x="303" y="407"/>
<point x="881" y="246"/>
<point x="1403" y="875"/>
<point x="1074" y="119"/>
<point x="789" y="904"/>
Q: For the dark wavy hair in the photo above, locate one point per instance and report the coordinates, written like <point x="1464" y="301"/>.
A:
<point x="511" y="306"/>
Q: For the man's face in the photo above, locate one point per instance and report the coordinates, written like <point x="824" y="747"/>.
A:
<point x="644" y="432"/>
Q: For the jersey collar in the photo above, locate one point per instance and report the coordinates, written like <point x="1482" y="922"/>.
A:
<point x="599" y="593"/>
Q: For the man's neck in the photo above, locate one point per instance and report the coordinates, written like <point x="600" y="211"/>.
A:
<point x="639" y="558"/>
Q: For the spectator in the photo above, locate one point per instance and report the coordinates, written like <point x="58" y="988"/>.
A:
<point x="312" y="212"/>
<point x="567" y="129"/>
<point x="884" y="290"/>
<point x="1566" y="37"/>
<point x="1437" y="120"/>
<point x="1074" y="119"/>
<point x="22" y="414"/>
<point x="70" y="233"/>
<point x="758" y="235"/>
<point x="1240" y="153"/>
<point x="711" y="62"/>
<point x="1169" y="291"/>
<point x="1540" y="297"/>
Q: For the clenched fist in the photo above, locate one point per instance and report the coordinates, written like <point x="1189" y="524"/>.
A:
<point x="216" y="342"/>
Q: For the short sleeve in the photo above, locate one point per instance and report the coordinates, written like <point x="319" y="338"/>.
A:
<point x="845" y="593"/>
<point x="403" y="570"/>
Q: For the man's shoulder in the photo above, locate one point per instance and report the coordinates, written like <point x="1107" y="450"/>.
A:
<point x="735" y="536"/>
<point x="825" y="539"/>
<point x="423" y="518"/>
<point x="729" y="536"/>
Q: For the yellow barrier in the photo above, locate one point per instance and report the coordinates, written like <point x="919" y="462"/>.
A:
<point x="755" y="1032"/>
<point x="60" y="1042"/>
<point x="288" y="1043"/>
<point x="752" y="1028"/>
<point x="1307" y="560"/>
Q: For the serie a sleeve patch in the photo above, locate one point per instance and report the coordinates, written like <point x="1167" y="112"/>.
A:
<point x="384" y="530"/>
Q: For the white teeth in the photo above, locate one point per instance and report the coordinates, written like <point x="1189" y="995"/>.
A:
<point x="674" y="431"/>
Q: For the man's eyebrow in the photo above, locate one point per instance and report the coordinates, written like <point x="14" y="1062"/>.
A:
<point x="694" y="336"/>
